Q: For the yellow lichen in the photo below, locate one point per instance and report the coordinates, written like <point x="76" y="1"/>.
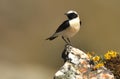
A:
<point x="96" y="58"/>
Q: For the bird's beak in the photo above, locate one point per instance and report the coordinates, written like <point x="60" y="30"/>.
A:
<point x="65" y="14"/>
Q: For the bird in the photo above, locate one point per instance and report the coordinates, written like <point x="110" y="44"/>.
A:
<point x="68" y="28"/>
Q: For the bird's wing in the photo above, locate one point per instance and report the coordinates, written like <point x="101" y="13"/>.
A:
<point x="63" y="26"/>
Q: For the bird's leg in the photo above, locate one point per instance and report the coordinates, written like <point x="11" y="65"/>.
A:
<point x="69" y="41"/>
<point x="64" y="40"/>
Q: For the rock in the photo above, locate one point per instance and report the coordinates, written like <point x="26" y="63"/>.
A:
<point x="77" y="66"/>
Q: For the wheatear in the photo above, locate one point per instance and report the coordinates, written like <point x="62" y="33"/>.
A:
<point x="68" y="28"/>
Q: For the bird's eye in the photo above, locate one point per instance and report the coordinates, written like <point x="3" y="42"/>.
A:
<point x="72" y="15"/>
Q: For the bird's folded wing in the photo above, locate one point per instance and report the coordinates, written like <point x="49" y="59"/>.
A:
<point x="63" y="26"/>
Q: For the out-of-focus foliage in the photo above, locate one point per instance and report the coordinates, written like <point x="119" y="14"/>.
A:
<point x="111" y="60"/>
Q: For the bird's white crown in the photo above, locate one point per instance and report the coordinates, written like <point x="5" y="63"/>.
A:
<point x="72" y="11"/>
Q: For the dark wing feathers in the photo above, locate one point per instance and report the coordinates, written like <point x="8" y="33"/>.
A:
<point x="52" y="38"/>
<point x="63" y="26"/>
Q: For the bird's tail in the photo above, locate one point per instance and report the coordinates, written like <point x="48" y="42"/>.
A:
<point x="52" y="38"/>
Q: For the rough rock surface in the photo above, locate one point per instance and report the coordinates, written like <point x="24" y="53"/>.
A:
<point x="77" y="66"/>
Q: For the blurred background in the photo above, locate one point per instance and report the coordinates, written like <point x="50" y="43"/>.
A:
<point x="25" y="24"/>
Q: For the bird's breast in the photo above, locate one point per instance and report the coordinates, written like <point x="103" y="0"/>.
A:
<point x="74" y="26"/>
<point x="72" y="30"/>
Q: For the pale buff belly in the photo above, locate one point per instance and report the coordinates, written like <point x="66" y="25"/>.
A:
<point x="70" y="32"/>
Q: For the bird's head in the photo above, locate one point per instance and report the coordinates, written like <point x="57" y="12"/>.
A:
<point x="71" y="14"/>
